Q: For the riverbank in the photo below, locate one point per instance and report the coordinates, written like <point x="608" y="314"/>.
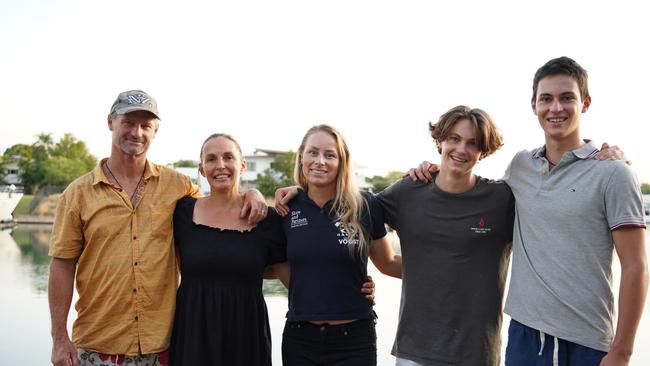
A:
<point x="27" y="221"/>
<point x="34" y="219"/>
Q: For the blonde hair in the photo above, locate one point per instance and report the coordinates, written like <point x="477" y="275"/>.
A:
<point x="348" y="202"/>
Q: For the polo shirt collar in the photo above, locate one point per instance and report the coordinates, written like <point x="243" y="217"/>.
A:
<point x="584" y="152"/>
<point x="303" y="197"/>
<point x="150" y="170"/>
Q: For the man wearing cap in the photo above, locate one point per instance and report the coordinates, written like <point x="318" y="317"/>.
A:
<point x="113" y="233"/>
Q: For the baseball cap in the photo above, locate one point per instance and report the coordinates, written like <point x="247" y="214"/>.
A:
<point x="135" y="100"/>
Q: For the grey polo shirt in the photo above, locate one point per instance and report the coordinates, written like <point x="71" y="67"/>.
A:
<point x="561" y="282"/>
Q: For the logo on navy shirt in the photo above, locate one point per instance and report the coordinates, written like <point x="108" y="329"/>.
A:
<point x="296" y="220"/>
<point x="342" y="235"/>
<point x="482" y="227"/>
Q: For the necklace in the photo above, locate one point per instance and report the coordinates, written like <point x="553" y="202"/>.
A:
<point x="119" y="184"/>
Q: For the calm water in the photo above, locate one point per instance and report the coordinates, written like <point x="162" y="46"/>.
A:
<point x="24" y="314"/>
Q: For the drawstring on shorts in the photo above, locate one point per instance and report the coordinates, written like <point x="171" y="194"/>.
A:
<point x="556" y="346"/>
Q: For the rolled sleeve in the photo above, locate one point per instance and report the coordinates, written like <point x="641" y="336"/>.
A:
<point x="67" y="233"/>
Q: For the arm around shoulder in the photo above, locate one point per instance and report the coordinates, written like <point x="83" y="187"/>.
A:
<point x="254" y="206"/>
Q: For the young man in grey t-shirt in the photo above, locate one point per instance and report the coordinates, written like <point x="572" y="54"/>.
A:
<point x="455" y="235"/>
<point x="571" y="212"/>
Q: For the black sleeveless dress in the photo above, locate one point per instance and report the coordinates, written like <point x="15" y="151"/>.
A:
<point x="221" y="316"/>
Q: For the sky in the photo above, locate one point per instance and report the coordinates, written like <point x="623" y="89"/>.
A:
<point x="266" y="71"/>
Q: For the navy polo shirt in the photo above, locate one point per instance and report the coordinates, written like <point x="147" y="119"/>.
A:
<point x="326" y="278"/>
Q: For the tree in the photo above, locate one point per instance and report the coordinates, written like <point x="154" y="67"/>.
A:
<point x="18" y="150"/>
<point x="59" y="171"/>
<point x="47" y="163"/>
<point x="280" y="174"/>
<point x="185" y="164"/>
<point x="380" y="183"/>
<point x="645" y="188"/>
<point x="71" y="148"/>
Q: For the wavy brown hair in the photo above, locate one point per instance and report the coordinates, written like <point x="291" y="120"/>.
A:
<point x="488" y="138"/>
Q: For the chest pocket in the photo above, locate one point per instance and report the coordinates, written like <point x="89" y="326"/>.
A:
<point x="158" y="218"/>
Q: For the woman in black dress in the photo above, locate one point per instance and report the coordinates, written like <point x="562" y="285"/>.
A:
<point x="221" y="316"/>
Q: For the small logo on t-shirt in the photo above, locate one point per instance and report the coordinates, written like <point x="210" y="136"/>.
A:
<point x="296" y="220"/>
<point x="482" y="227"/>
<point x="342" y="235"/>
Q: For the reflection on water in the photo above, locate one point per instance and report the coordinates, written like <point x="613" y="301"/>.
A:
<point x="24" y="315"/>
<point x="274" y="288"/>
<point x="25" y="338"/>
<point x="33" y="243"/>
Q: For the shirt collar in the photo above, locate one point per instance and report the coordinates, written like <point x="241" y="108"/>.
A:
<point x="303" y="197"/>
<point x="584" y="152"/>
<point x="150" y="170"/>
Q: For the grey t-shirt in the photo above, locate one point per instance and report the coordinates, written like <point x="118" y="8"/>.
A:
<point x="562" y="249"/>
<point x="455" y="254"/>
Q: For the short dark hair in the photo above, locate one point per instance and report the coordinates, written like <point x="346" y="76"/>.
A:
<point x="563" y="66"/>
<point x="488" y="138"/>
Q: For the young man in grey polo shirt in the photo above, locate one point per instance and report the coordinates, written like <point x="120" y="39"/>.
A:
<point x="571" y="212"/>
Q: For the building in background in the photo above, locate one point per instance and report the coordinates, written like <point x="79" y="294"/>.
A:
<point x="11" y="171"/>
<point x="258" y="162"/>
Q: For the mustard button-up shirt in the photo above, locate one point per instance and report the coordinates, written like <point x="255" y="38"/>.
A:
<point x="127" y="273"/>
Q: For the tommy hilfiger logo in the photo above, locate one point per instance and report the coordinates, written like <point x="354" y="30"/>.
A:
<point x="296" y="220"/>
<point x="342" y="235"/>
<point x="482" y="227"/>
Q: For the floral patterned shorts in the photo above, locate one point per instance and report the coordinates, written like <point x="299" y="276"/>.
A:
<point x="90" y="358"/>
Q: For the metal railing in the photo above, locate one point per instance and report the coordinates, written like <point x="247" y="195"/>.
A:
<point x="12" y="189"/>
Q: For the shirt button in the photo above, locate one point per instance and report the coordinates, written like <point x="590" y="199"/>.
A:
<point x="135" y="264"/>
<point x="134" y="237"/>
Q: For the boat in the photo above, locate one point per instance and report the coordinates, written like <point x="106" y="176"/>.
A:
<point x="9" y="197"/>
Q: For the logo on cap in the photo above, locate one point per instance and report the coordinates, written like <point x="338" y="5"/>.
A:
<point x="134" y="100"/>
<point x="138" y="99"/>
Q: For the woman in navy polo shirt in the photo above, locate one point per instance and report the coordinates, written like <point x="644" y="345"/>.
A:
<point x="331" y="230"/>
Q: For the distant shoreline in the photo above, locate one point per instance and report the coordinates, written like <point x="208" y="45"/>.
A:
<point x="34" y="219"/>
